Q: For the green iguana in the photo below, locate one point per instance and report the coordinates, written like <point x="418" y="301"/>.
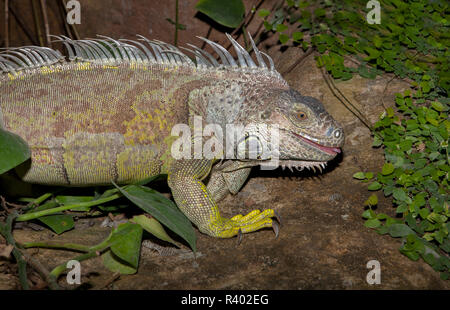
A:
<point x="107" y="113"/>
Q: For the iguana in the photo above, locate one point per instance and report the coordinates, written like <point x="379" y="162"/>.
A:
<point x="107" y="113"/>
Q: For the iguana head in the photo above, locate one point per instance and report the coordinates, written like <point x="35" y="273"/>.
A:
<point x="308" y="135"/>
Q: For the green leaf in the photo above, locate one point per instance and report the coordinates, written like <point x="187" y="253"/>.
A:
<point x="435" y="217"/>
<point x="374" y="186"/>
<point x="368" y="214"/>
<point x="368" y="175"/>
<point x="402" y="208"/>
<point x="229" y="13"/>
<point x="372" y="200"/>
<point x="290" y="3"/>
<point x="125" y="243"/>
<point x="154" y="227"/>
<point x="263" y="13"/>
<point x="373" y="53"/>
<point x="297" y="36"/>
<point x="377" y="41"/>
<point x="377" y="141"/>
<point x="437" y="106"/>
<point x="268" y="25"/>
<point x="163" y="209"/>
<point x="431" y="116"/>
<point x="281" y="27"/>
<point x="359" y="175"/>
<point x="400" y="195"/>
<point x="115" y="264"/>
<point x="400" y="230"/>
<point x="364" y="72"/>
<point x="412" y="255"/>
<point x="425" y="86"/>
<point x="58" y="223"/>
<point x="283" y="38"/>
<point x="13" y="150"/>
<point x="319" y="12"/>
<point x="400" y="18"/>
<point x="387" y="169"/>
<point x="372" y="223"/>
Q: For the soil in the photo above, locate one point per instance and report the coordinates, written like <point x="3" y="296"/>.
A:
<point x="322" y="244"/>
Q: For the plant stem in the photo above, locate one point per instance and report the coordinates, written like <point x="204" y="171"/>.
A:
<point x="56" y="245"/>
<point x="34" y="215"/>
<point x="37" y="22"/>
<point x="41" y="199"/>
<point x="68" y="246"/>
<point x="56" y="272"/>
<point x="176" y="23"/>
<point x="22" y="25"/>
<point x="46" y="26"/>
<point x="6" y="24"/>
<point x="90" y="252"/>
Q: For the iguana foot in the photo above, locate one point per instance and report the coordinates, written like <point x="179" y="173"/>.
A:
<point x="241" y="224"/>
<point x="197" y="203"/>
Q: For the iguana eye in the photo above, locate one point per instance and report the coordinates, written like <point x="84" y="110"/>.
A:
<point x="302" y="115"/>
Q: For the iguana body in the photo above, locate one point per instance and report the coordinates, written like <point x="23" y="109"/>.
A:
<point x="107" y="115"/>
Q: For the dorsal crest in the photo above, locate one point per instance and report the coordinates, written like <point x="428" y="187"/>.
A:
<point x="108" y="51"/>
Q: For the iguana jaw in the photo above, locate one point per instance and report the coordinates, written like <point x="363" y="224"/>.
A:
<point x="315" y="161"/>
<point x="326" y="149"/>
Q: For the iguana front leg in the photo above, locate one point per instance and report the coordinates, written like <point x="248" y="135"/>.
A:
<point x="228" y="177"/>
<point x="196" y="202"/>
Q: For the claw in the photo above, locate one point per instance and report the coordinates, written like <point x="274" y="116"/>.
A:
<point x="276" y="228"/>
<point x="277" y="216"/>
<point x="239" y="237"/>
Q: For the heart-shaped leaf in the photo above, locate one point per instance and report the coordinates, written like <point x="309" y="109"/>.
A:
<point x="126" y="243"/>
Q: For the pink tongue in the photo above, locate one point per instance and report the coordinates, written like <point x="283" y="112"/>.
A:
<point x="335" y="149"/>
<point x="326" y="149"/>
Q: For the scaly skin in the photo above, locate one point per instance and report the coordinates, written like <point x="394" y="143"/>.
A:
<point x="93" y="122"/>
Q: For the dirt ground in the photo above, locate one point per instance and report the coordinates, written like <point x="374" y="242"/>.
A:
<point x="323" y="243"/>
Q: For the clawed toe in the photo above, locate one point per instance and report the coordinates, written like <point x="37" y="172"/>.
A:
<point x="277" y="216"/>
<point x="276" y="228"/>
<point x="242" y="224"/>
<point x="239" y="237"/>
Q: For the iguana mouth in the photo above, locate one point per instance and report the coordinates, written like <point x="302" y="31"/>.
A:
<point x="326" y="149"/>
